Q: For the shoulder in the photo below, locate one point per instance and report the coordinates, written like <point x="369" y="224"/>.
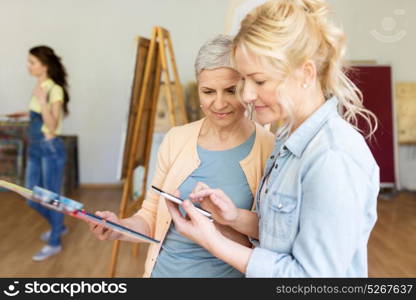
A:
<point x="54" y="87"/>
<point x="179" y="135"/>
<point x="340" y="142"/>
<point x="186" y="129"/>
<point x="56" y="93"/>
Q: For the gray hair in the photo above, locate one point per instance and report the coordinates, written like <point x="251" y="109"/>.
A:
<point x="215" y="53"/>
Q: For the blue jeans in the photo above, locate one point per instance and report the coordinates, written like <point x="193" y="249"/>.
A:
<point x="45" y="168"/>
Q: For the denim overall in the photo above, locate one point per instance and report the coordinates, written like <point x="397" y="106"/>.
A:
<point x="45" y="168"/>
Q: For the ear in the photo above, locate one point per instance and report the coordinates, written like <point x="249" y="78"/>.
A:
<point x="308" y="71"/>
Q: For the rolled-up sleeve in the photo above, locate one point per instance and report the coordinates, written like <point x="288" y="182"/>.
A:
<point x="262" y="263"/>
<point x="332" y="211"/>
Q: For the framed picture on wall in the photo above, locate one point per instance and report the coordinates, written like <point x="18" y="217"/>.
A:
<point x="375" y="82"/>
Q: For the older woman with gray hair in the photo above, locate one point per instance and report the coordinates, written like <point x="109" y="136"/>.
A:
<point x="224" y="149"/>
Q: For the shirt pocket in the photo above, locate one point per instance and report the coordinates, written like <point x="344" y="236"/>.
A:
<point x="281" y="216"/>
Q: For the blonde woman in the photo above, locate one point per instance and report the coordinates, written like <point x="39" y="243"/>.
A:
<point x="225" y="149"/>
<point x="316" y="204"/>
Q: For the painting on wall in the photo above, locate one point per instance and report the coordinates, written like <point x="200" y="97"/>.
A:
<point x="406" y="112"/>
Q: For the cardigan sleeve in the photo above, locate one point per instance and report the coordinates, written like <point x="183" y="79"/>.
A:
<point x="149" y="208"/>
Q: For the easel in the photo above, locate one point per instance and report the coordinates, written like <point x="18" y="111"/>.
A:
<point x="151" y="64"/>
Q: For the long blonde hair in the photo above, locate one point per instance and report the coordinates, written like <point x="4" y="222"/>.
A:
<point x="289" y="32"/>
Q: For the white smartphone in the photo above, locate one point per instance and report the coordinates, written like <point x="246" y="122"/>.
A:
<point x="179" y="201"/>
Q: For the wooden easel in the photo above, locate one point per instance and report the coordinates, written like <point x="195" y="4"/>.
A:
<point x="151" y="65"/>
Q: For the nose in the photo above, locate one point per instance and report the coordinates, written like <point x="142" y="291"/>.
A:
<point x="249" y="94"/>
<point x="220" y="102"/>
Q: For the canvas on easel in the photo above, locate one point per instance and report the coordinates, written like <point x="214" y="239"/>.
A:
<point x="152" y="65"/>
<point x="142" y="50"/>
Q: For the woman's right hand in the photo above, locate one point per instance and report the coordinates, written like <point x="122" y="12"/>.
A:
<point x="102" y="233"/>
<point x="18" y="115"/>
<point x="216" y="202"/>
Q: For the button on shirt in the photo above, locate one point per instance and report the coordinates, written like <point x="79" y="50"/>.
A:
<point x="318" y="206"/>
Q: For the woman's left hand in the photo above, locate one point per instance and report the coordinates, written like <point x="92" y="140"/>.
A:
<point x="41" y="95"/>
<point x="196" y="226"/>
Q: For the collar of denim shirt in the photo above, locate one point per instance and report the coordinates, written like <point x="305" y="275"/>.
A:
<point x="300" y="138"/>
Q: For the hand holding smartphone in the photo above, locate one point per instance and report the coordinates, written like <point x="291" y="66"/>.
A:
<point x="179" y="201"/>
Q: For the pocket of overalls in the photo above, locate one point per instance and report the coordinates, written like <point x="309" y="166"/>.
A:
<point x="49" y="146"/>
<point x="281" y="214"/>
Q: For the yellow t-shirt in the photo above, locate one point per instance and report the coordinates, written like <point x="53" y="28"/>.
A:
<point x="55" y="94"/>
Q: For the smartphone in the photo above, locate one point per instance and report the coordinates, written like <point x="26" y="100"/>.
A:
<point x="179" y="201"/>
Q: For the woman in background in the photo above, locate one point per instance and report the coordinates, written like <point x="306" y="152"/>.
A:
<point x="46" y="152"/>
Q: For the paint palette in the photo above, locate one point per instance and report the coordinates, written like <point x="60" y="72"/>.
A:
<point x="72" y="208"/>
<point x="55" y="201"/>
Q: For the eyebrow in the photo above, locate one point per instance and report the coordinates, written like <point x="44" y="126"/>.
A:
<point x="227" y="87"/>
<point x="251" y="74"/>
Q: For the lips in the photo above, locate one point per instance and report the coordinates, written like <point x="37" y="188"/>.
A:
<point x="260" y="107"/>
<point x="221" y="115"/>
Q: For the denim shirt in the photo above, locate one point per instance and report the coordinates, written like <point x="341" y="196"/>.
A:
<point x="318" y="206"/>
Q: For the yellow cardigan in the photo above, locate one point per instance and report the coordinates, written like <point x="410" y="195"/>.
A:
<point x="177" y="158"/>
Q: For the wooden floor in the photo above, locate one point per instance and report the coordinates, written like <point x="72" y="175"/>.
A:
<point x="82" y="255"/>
<point x="392" y="245"/>
<point x="391" y="249"/>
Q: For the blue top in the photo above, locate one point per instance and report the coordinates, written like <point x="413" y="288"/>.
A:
<point x="318" y="207"/>
<point x="179" y="256"/>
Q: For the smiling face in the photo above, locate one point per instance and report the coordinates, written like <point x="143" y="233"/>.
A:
<point x="276" y="96"/>
<point x="35" y="66"/>
<point x="259" y="87"/>
<point x="216" y="89"/>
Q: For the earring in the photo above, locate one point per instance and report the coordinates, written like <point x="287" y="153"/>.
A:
<point x="251" y="110"/>
<point x="304" y="85"/>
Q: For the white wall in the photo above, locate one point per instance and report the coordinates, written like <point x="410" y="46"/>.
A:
<point x="360" y="17"/>
<point x="96" y="39"/>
